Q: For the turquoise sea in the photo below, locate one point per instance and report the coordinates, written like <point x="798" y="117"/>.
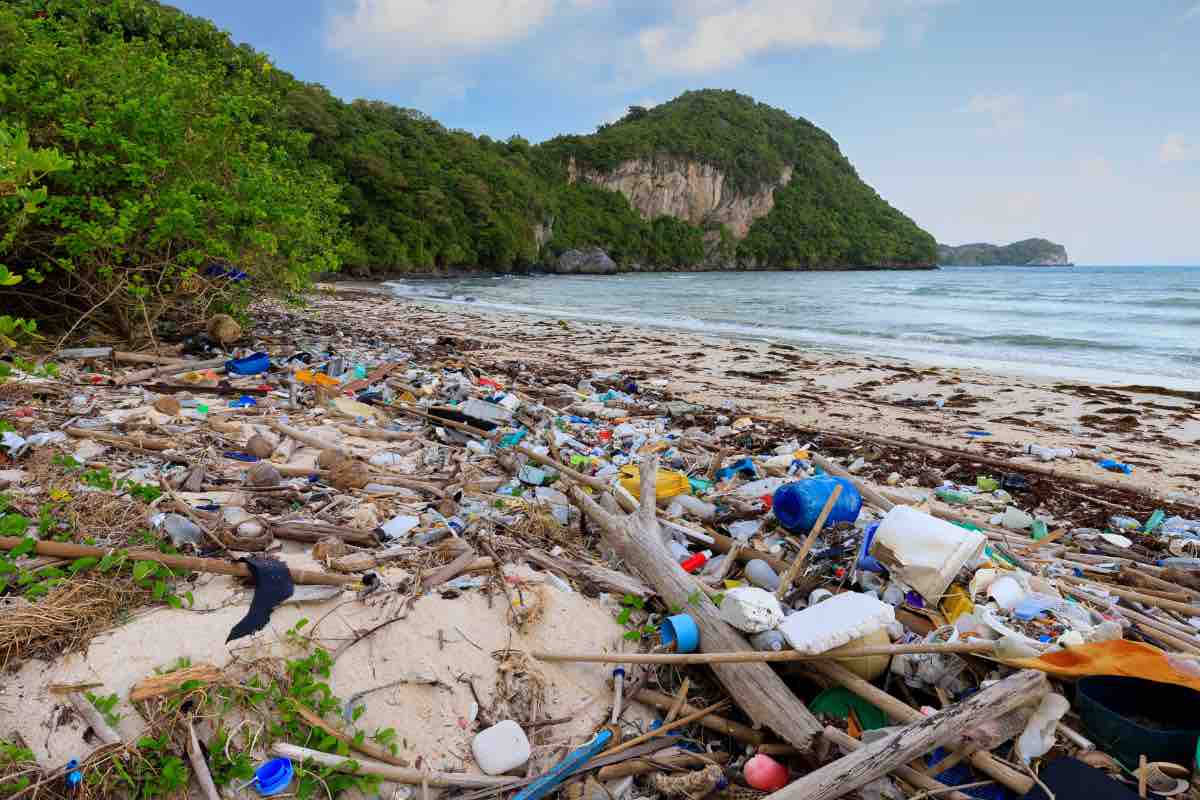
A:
<point x="1116" y="325"/>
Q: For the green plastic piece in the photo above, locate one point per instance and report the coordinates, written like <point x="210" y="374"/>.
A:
<point x="838" y="702"/>
<point x="1039" y="530"/>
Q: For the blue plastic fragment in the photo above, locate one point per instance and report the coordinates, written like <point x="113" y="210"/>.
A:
<point x="253" y="364"/>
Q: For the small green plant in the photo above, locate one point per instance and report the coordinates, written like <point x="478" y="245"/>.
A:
<point x="637" y="630"/>
<point x="101" y="478"/>
<point x="16" y="766"/>
<point x="226" y="763"/>
<point x="151" y="771"/>
<point x="106" y="706"/>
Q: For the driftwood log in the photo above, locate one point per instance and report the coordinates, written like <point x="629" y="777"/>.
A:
<point x="905" y="773"/>
<point x="884" y="755"/>
<point x="899" y="711"/>
<point x="755" y="688"/>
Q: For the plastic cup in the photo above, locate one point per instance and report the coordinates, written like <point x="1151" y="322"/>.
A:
<point x="681" y="631"/>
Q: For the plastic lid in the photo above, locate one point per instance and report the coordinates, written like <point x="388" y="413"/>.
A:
<point x="273" y="777"/>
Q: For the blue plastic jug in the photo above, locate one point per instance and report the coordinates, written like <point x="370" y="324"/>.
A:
<point x="797" y="505"/>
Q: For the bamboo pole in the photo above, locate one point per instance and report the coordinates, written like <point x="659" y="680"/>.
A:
<point x="406" y="775"/>
<point x="143" y="442"/>
<point x="171" y="369"/>
<point x="665" y="729"/>
<point x="1145" y="599"/>
<point x="756" y="656"/>
<point x="785" y="581"/>
<point x="725" y="727"/>
<point x="185" y="563"/>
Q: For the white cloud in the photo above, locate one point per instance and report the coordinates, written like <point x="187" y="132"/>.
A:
<point x="1005" y="111"/>
<point x="1176" y="147"/>
<point x="702" y="36"/>
<point x="412" y="31"/>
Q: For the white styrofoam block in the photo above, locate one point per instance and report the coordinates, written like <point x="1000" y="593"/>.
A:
<point x="500" y="748"/>
<point x="751" y="610"/>
<point x="835" y="622"/>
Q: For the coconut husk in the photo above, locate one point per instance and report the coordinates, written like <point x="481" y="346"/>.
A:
<point x="329" y="457"/>
<point x="260" y="446"/>
<point x="327" y="548"/>
<point x="263" y="474"/>
<point x="167" y="405"/>
<point x="349" y="474"/>
<point x="224" y="329"/>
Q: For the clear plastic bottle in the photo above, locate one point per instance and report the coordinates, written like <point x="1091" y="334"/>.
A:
<point x="772" y="641"/>
<point x="759" y="573"/>
<point x="1181" y="563"/>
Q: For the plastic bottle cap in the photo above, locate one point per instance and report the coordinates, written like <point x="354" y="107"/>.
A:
<point x="273" y="777"/>
<point x="680" y="630"/>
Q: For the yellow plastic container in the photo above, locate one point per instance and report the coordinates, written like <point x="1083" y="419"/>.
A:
<point x="668" y="483"/>
<point x="868" y="667"/>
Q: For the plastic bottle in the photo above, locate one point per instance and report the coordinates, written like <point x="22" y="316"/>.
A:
<point x="797" y="505"/>
<point x="1115" y="466"/>
<point x="768" y="641"/>
<point x="759" y="573"/>
<point x="1180" y="563"/>
<point x="1156" y="519"/>
<point x="1122" y="523"/>
<point x="181" y="530"/>
<point x="1048" y="453"/>
<point x="952" y="496"/>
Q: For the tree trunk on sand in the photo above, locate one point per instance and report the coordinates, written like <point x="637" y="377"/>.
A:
<point x="755" y="688"/>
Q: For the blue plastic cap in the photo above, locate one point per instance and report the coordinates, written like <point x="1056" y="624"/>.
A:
<point x="681" y="631"/>
<point x="273" y="777"/>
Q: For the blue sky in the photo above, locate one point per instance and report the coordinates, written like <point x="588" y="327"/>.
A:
<point x="983" y="120"/>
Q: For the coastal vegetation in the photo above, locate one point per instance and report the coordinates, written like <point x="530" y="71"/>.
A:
<point x="149" y="166"/>
<point x="1027" y="252"/>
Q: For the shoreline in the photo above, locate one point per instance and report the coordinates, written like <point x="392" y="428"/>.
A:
<point x="1154" y="429"/>
<point x="451" y="273"/>
<point x="996" y="367"/>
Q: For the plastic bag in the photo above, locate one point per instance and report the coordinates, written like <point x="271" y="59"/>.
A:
<point x="668" y="483"/>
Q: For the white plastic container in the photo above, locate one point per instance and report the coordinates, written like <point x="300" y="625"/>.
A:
<point x="924" y="552"/>
<point x="837" y="621"/>
<point x="397" y="527"/>
<point x="500" y="748"/>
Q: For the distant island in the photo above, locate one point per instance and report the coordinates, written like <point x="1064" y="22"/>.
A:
<point x="1025" y="253"/>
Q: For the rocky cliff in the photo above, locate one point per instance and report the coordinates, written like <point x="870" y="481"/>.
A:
<point x="696" y="193"/>
<point x="1025" y="253"/>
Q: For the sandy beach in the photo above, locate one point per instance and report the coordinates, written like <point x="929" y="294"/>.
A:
<point x="1153" y="430"/>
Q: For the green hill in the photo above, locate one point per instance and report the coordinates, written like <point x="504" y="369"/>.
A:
<point x="139" y="146"/>
<point x="823" y="216"/>
<point x="1027" y="252"/>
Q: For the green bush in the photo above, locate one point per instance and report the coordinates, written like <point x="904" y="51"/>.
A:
<point x="178" y="162"/>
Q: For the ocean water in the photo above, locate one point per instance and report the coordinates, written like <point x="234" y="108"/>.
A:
<point x="1116" y="325"/>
